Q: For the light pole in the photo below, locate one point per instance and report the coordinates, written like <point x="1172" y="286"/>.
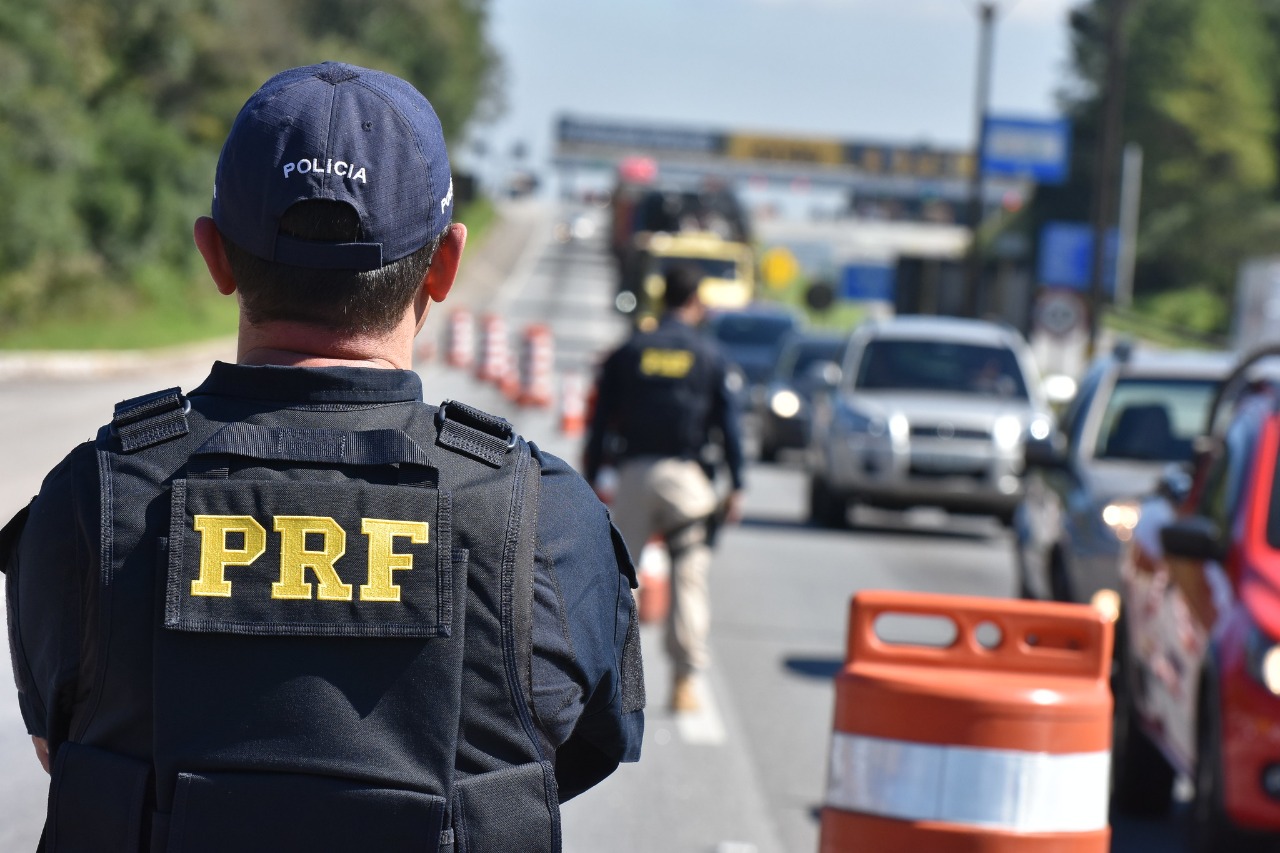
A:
<point x="1108" y="155"/>
<point x="973" y="267"/>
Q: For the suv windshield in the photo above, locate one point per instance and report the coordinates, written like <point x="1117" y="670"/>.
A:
<point x="1154" y="419"/>
<point x="907" y="365"/>
<point x="797" y="358"/>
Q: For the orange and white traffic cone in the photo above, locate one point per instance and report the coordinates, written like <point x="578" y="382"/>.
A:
<point x="573" y="405"/>
<point x="460" y="339"/>
<point x="537" y="358"/>
<point x="494" y="353"/>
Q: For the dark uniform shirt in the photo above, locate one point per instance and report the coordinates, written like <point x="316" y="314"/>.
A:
<point x="665" y="393"/>
<point x="582" y="597"/>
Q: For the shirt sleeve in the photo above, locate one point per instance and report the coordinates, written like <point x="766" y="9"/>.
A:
<point x="44" y="594"/>
<point x="587" y="672"/>
<point x="602" y="417"/>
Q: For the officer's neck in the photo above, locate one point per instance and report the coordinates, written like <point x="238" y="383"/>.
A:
<point x="304" y="345"/>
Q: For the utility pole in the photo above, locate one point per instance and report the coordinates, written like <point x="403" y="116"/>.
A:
<point x="1106" y="162"/>
<point x="973" y="265"/>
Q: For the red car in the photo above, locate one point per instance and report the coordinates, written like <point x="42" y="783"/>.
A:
<point x="1197" y="677"/>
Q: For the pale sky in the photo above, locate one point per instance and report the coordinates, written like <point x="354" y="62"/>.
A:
<point x="896" y="71"/>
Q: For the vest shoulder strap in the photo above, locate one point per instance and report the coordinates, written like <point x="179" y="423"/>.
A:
<point x="474" y="433"/>
<point x="151" y="419"/>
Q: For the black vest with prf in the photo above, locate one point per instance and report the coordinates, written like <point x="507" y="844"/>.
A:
<point x="669" y="378"/>
<point x="312" y="632"/>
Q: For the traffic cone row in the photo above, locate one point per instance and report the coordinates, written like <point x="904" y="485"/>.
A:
<point x="526" y="377"/>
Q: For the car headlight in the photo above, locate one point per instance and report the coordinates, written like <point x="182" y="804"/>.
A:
<point x="1121" y="517"/>
<point x="1040" y="428"/>
<point x="1262" y="658"/>
<point x="785" y="404"/>
<point x="899" y="427"/>
<point x="1007" y="431"/>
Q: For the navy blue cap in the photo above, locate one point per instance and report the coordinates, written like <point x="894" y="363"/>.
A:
<point x="338" y="132"/>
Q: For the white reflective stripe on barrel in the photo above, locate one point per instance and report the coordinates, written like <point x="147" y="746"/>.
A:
<point x="1006" y="789"/>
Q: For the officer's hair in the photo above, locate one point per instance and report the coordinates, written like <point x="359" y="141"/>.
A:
<point x="348" y="301"/>
<point x="682" y="282"/>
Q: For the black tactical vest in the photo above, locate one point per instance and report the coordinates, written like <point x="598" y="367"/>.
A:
<point x="310" y="631"/>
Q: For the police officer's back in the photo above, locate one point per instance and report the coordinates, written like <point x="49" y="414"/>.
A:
<point x="296" y="608"/>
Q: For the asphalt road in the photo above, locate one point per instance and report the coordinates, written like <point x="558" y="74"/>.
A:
<point x="747" y="774"/>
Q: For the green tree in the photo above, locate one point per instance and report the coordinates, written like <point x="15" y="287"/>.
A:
<point x="1200" y="98"/>
<point x="112" y="113"/>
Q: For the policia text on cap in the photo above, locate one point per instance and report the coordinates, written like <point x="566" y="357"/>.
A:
<point x="297" y="608"/>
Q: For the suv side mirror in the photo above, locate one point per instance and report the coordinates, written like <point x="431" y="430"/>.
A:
<point x="1047" y="452"/>
<point x="1195" y="538"/>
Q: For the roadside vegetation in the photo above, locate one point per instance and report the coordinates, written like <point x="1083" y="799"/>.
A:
<point x="111" y="118"/>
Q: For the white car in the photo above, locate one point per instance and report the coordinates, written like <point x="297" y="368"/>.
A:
<point x="928" y="411"/>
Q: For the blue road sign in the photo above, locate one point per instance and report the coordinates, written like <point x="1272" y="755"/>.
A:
<point x="1029" y="148"/>
<point x="867" y="281"/>
<point x="1066" y="256"/>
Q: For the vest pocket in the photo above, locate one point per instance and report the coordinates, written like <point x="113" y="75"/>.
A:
<point x="510" y="809"/>
<point x="246" y="812"/>
<point x="96" y="800"/>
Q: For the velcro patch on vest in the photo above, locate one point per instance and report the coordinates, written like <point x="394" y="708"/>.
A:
<point x="298" y="558"/>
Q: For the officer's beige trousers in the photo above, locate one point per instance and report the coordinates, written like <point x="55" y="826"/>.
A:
<point x="671" y="497"/>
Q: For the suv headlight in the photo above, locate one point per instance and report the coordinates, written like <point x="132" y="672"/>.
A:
<point x="1262" y="658"/>
<point x="1007" y="431"/>
<point x="1121" y="517"/>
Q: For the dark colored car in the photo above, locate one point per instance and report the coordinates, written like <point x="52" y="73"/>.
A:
<point x="1197" y="676"/>
<point x="751" y="338"/>
<point x="1136" y="412"/>
<point x="807" y="363"/>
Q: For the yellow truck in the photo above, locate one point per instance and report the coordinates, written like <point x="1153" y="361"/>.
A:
<point x="728" y="269"/>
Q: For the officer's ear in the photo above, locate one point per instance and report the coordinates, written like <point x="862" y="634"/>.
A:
<point x="444" y="265"/>
<point x="209" y="242"/>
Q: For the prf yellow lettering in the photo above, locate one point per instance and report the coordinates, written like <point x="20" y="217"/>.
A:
<point x="383" y="560"/>
<point x="669" y="363"/>
<point x="215" y="556"/>
<point x="295" y="559"/>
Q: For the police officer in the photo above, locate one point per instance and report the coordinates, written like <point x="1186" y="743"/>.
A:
<point x="662" y="401"/>
<point x="297" y="608"/>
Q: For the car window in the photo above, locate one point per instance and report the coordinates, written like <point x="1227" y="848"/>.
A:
<point x="1153" y="419"/>
<point x="923" y="365"/>
<point x="709" y="267"/>
<point x="1226" y="478"/>
<point x="737" y="329"/>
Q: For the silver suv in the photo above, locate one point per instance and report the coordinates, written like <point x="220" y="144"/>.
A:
<point x="929" y="411"/>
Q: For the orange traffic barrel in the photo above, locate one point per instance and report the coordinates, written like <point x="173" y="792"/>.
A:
<point x="493" y="364"/>
<point x="537" y="361"/>
<point x="461" y="339"/>
<point x="995" y="740"/>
